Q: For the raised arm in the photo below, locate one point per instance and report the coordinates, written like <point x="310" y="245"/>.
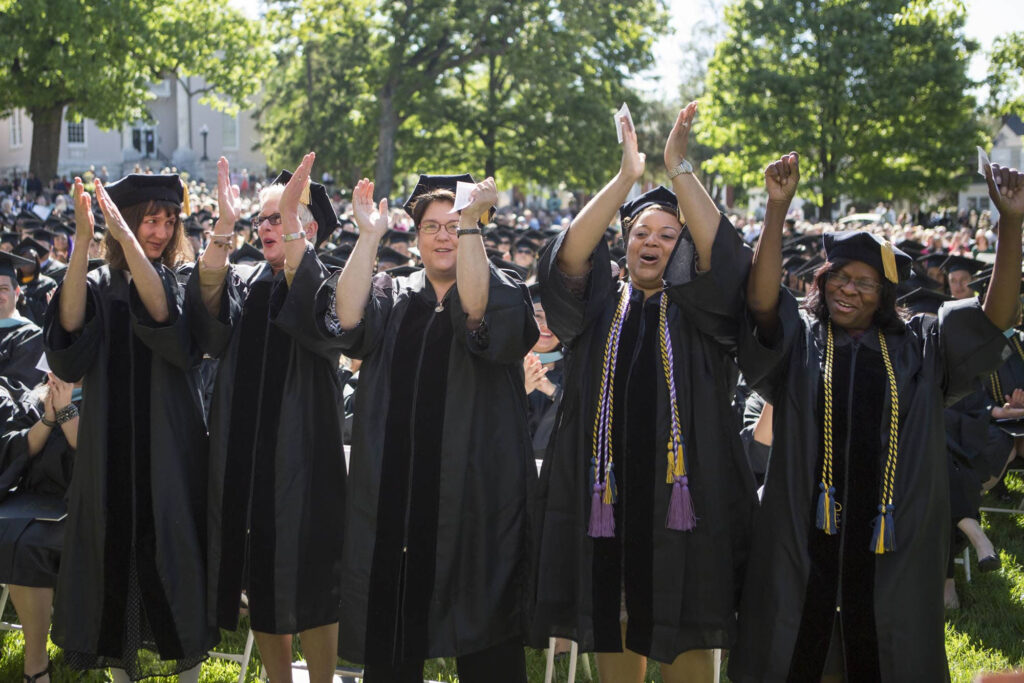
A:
<point x="72" y="298"/>
<point x="147" y="281"/>
<point x="588" y="227"/>
<point x="699" y="211"/>
<point x="215" y="256"/>
<point x="1001" y="302"/>
<point x="295" y="249"/>
<point x="780" y="179"/>
<point x="353" y="289"/>
<point x="472" y="269"/>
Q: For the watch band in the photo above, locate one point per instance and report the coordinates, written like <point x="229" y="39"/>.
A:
<point x="468" y="231"/>
<point x="683" y="167"/>
<point x="294" y="236"/>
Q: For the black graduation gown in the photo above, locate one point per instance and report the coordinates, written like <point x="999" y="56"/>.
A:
<point x="21" y="345"/>
<point x="544" y="410"/>
<point x="30" y="549"/>
<point x="680" y="587"/>
<point x="450" y="406"/>
<point x="277" y="468"/>
<point x="35" y="293"/>
<point x="892" y="603"/>
<point x="133" y="562"/>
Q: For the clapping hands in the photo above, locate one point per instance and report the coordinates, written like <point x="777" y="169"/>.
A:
<point x="371" y="219"/>
<point x="782" y="177"/>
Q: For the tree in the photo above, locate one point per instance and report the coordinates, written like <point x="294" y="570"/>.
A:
<point x="873" y="94"/>
<point x="97" y="59"/>
<point x="1006" y="74"/>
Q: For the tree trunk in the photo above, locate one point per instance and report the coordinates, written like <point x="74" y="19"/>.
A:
<point x="45" y="141"/>
<point x="384" y="176"/>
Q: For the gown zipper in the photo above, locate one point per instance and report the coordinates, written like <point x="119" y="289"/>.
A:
<point x="855" y="347"/>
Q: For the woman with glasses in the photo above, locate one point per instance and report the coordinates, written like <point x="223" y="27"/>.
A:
<point x="850" y="543"/>
<point x="277" y="477"/>
<point x="435" y="540"/>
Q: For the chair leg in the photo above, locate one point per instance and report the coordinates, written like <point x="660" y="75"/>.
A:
<point x="718" y="665"/>
<point x="549" y="668"/>
<point x="585" y="659"/>
<point x="246" y="656"/>
<point x="967" y="563"/>
<point x="574" y="651"/>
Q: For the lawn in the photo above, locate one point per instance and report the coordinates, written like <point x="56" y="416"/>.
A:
<point x="985" y="634"/>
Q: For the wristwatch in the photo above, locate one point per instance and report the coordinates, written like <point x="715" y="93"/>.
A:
<point x="468" y="231"/>
<point x="300" y="235"/>
<point x="683" y="167"/>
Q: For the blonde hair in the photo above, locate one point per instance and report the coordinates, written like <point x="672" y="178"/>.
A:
<point x="274" y="192"/>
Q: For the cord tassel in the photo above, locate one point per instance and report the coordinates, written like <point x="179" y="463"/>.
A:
<point x="884" y="538"/>
<point x="826" y="509"/>
<point x="680" y="507"/>
<point x="602" y="515"/>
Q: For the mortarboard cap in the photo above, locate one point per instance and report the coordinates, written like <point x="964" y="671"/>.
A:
<point x="394" y="236"/>
<point x="44" y="237"/>
<point x="319" y="204"/>
<point x="508" y="266"/>
<point x="8" y="262"/>
<point x="29" y="245"/>
<point x="955" y="263"/>
<point x="11" y="238"/>
<point x="923" y="300"/>
<point x="139" y="188"/>
<point x="389" y="255"/>
<point x="535" y="292"/>
<point x="429" y="183"/>
<point x="859" y="245"/>
<point x="659" y="196"/>
<point x="402" y="271"/>
<point x="246" y="254"/>
<point x="527" y="244"/>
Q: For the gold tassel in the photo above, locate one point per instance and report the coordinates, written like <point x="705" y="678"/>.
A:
<point x="186" y="201"/>
<point x="889" y="262"/>
<point x="304" y="197"/>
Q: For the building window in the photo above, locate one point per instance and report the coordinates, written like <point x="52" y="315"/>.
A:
<point x="229" y="132"/>
<point x="16" y="139"/>
<point x="76" y="133"/>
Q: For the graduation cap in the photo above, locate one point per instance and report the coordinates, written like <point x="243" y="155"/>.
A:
<point x="44" y="237"/>
<point x="335" y="261"/>
<point x="393" y="236"/>
<point x="1012" y="426"/>
<point x="347" y="238"/>
<point x="139" y="188"/>
<point x="193" y="228"/>
<point x="659" y="196"/>
<point x="923" y="300"/>
<point x="802" y="243"/>
<point x="526" y="244"/>
<point x="402" y="271"/>
<point x="243" y="224"/>
<point x="934" y="260"/>
<point x="319" y="204"/>
<point x="429" y="183"/>
<point x="29" y="245"/>
<point x="806" y="273"/>
<point x="794" y="263"/>
<point x="912" y="247"/>
<point x="981" y="283"/>
<point x="617" y="253"/>
<point x="25" y="216"/>
<point x="955" y="263"/>
<point x="508" y="266"/>
<point x="859" y="245"/>
<point x="11" y="238"/>
<point x="245" y="254"/>
<point x="9" y="261"/>
<point x="389" y="255"/>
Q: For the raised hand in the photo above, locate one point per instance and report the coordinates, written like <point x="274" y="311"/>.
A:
<point x="782" y="177"/>
<point x="116" y="225"/>
<point x="288" y="207"/>
<point x="229" y="206"/>
<point x="371" y="219"/>
<point x="482" y="199"/>
<point x="633" y="161"/>
<point x="534" y="373"/>
<point x="85" y="222"/>
<point x="679" y="139"/>
<point x="1008" y="193"/>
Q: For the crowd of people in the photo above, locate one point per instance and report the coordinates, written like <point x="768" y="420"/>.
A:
<point x="438" y="430"/>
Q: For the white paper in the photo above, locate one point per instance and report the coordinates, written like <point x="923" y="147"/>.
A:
<point x="42" y="365"/>
<point x="463" y="198"/>
<point x="984" y="163"/>
<point x="42" y="211"/>
<point x="623" y="111"/>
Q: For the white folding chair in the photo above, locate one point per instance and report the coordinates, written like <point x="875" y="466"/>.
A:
<point x="6" y="625"/>
<point x="242" y="659"/>
<point x="965" y="560"/>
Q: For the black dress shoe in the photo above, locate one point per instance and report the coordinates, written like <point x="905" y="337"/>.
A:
<point x="989" y="564"/>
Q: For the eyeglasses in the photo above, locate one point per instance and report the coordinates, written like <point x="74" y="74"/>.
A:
<point x="524" y="251"/>
<point x="432" y="228"/>
<point x="862" y="285"/>
<point x="274" y="219"/>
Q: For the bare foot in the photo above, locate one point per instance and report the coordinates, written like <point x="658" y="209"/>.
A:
<point x="951" y="599"/>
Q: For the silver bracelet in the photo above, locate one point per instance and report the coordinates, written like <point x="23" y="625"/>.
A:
<point x="67" y="413"/>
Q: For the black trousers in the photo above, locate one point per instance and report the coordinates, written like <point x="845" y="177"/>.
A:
<point x="502" y="663"/>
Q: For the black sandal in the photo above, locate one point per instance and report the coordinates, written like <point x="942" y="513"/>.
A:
<point x="45" y="672"/>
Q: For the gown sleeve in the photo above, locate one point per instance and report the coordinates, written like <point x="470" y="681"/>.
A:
<point x="25" y="346"/>
<point x="764" y="362"/>
<point x="172" y="340"/>
<point x="568" y="313"/>
<point x="969" y="345"/>
<point x="293" y="309"/>
<point x="712" y="300"/>
<point x="71" y="354"/>
<point x="508" y="330"/>
<point x="213" y="332"/>
<point x="364" y="338"/>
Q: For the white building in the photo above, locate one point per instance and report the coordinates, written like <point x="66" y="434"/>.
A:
<point x="1006" y="151"/>
<point x="183" y="132"/>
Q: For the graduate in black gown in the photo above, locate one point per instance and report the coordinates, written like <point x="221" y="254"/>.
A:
<point x="36" y="287"/>
<point x="544" y="368"/>
<point x="132" y="572"/>
<point x="21" y="340"/>
<point x="277" y="468"/>
<point x="36" y="458"/>
<point x="850" y="542"/>
<point x="646" y="491"/>
<point x="436" y="553"/>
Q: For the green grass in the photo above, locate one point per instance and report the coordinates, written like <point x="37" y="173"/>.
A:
<point x="985" y="634"/>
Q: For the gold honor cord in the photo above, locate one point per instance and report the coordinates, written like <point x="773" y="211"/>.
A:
<point x="883" y="538"/>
